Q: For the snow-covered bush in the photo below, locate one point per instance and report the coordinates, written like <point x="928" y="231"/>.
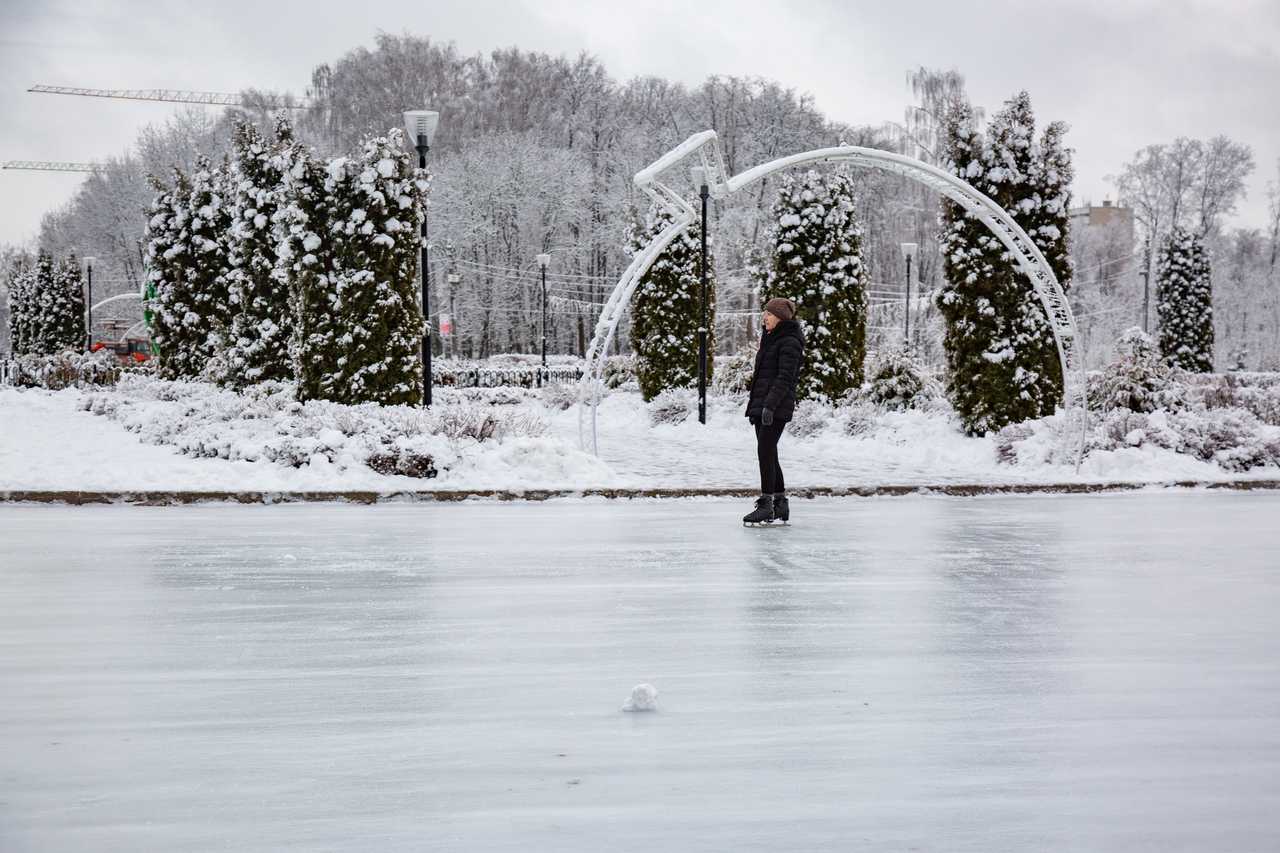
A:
<point x="557" y="395"/>
<point x="733" y="373"/>
<point x="266" y="422"/>
<point x="1256" y="393"/>
<point x="1139" y="381"/>
<point x="898" y="380"/>
<point x="67" y="369"/>
<point x="618" y="371"/>
<point x="1231" y="438"/>
<point x="673" y="406"/>
<point x="817" y="261"/>
<point x="810" y="418"/>
<point x="479" y="424"/>
<point x="1009" y="437"/>
<point x="857" y="417"/>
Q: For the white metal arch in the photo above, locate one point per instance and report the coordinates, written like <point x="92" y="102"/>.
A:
<point x="706" y="147"/>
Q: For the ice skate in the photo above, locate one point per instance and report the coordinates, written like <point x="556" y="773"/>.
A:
<point x="781" y="508"/>
<point x="762" y="515"/>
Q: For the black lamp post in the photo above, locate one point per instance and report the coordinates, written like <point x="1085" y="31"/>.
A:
<point x="88" y="307"/>
<point x="908" y="252"/>
<point x="700" y="179"/>
<point x="421" y="126"/>
<point x="543" y="260"/>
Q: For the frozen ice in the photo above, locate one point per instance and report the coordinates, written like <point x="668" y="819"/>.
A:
<point x="643" y="698"/>
<point x="1068" y="673"/>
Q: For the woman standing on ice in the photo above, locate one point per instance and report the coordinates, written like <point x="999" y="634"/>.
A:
<point x="771" y="403"/>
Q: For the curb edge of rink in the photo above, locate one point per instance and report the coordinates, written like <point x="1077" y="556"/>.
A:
<point x="177" y="498"/>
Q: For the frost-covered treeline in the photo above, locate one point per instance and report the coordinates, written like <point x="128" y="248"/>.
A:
<point x="534" y="153"/>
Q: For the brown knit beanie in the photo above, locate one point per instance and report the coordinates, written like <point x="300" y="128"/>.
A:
<point x="783" y="309"/>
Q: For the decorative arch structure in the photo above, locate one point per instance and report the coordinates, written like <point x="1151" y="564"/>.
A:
<point x="705" y="147"/>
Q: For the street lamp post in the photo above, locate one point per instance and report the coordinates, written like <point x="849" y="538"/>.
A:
<point x="88" y="307"/>
<point x="700" y="181"/>
<point x="908" y="252"/>
<point x="454" y="278"/>
<point x="543" y="260"/>
<point x="421" y="126"/>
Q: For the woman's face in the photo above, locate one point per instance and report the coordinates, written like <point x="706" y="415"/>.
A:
<point x="769" y="321"/>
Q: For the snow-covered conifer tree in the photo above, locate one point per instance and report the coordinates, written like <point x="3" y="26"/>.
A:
<point x="22" y="288"/>
<point x="1184" y="302"/>
<point x="817" y="261"/>
<point x="64" y="308"/>
<point x="262" y="324"/>
<point x="1002" y="359"/>
<point x="188" y="267"/>
<point x="666" y="308"/>
<point x="50" y="304"/>
<point x="352" y="255"/>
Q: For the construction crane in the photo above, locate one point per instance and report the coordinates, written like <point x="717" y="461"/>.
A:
<point x="52" y="167"/>
<point x="271" y="102"/>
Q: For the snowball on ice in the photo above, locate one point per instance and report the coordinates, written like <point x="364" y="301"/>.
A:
<point x="643" y="698"/>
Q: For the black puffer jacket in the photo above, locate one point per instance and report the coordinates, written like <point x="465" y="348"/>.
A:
<point x="773" y="384"/>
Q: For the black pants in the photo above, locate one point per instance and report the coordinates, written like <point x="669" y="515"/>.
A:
<point x="771" y="482"/>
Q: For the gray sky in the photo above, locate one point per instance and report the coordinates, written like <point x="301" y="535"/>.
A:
<point x="1122" y="73"/>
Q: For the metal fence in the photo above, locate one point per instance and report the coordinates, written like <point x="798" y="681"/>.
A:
<point x="470" y="376"/>
<point x="497" y="377"/>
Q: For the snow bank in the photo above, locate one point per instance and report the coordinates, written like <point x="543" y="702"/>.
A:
<point x="149" y="434"/>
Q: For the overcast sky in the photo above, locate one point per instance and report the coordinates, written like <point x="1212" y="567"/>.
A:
<point x="1122" y="73"/>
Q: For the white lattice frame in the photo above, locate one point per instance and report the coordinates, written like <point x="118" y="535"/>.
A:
<point x="706" y="147"/>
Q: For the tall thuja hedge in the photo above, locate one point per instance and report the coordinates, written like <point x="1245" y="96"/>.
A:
<point x="1002" y="360"/>
<point x="258" y="287"/>
<point x="189" y="270"/>
<point x="63" y="308"/>
<point x="666" y="309"/>
<point x="1184" y="302"/>
<point x="22" y="289"/>
<point x="817" y="261"/>
<point x="46" y="306"/>
<point x="351" y="257"/>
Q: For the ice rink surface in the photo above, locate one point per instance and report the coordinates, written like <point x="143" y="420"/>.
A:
<point x="1083" y="673"/>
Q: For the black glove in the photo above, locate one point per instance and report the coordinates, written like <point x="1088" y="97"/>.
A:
<point x="766" y="417"/>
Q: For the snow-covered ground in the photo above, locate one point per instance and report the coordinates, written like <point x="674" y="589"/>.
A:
<point x="1002" y="673"/>
<point x="154" y="436"/>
